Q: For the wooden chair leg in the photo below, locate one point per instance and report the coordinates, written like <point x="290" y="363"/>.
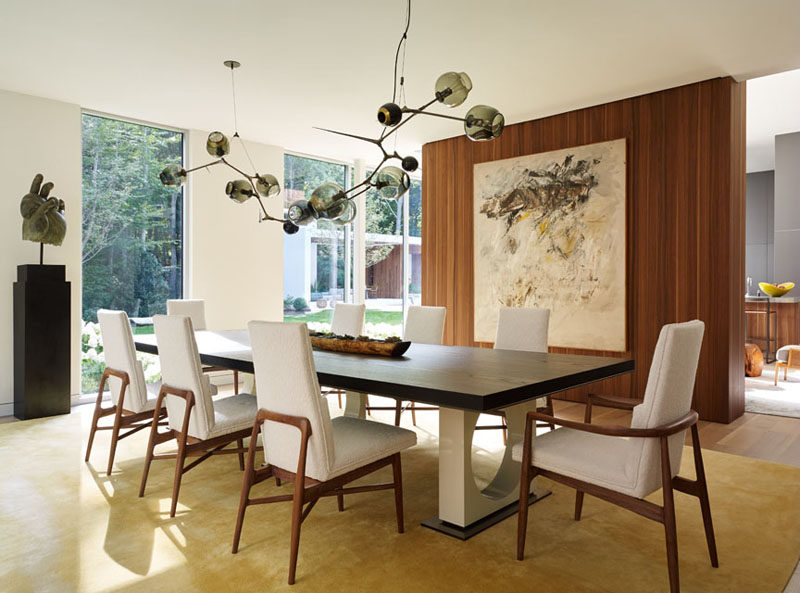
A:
<point x="176" y="485"/>
<point x="93" y="430"/>
<point x="366" y="403"/>
<point x="786" y="373"/>
<point x="240" y="444"/>
<point x="413" y="414"/>
<point x="339" y="396"/>
<point x="777" y="370"/>
<point x="247" y="483"/>
<point x="705" y="505"/>
<point x="578" y="504"/>
<point x="297" y="514"/>
<point x="398" y="409"/>
<point x="236" y="382"/>
<point x="550" y="411"/>
<point x="114" y="438"/>
<point x="524" y="489"/>
<point x="151" y="443"/>
<point x="505" y="429"/>
<point x="398" y="491"/>
<point x="340" y="500"/>
<point x="277" y="481"/>
<point x="670" y="530"/>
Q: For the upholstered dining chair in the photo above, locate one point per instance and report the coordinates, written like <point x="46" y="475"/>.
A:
<point x="523" y="329"/>
<point x="424" y="325"/>
<point x="301" y="442"/>
<point x="201" y="426"/>
<point x="196" y="310"/>
<point x="133" y="400"/>
<point x="624" y="465"/>
<point x="348" y="320"/>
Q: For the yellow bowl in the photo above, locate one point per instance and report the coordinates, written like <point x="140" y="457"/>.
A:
<point x="776" y="290"/>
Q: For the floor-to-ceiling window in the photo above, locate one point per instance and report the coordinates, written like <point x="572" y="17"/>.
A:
<point x="318" y="259"/>
<point x="315" y="257"/>
<point x="132" y="235"/>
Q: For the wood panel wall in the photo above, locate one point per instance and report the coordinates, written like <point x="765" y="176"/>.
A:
<point x="685" y="226"/>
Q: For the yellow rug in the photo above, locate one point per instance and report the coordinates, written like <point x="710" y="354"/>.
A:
<point x="66" y="527"/>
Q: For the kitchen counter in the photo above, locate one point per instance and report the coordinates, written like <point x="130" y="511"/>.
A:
<point x="764" y="299"/>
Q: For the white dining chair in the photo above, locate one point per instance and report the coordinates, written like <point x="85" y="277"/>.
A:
<point x="524" y="329"/>
<point x="196" y="310"/>
<point x="301" y="442"/>
<point x="424" y="325"/>
<point x="348" y="320"/>
<point x="624" y="465"/>
<point x="200" y="425"/>
<point x="133" y="400"/>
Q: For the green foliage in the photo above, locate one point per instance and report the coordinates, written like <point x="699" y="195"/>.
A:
<point x="132" y="224"/>
<point x="300" y="304"/>
<point x="288" y="301"/>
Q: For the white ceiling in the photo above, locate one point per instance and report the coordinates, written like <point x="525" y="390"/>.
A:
<point x="773" y="107"/>
<point x="329" y="63"/>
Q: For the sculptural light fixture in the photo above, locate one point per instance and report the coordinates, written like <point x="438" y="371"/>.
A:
<point x="330" y="201"/>
<point x="239" y="190"/>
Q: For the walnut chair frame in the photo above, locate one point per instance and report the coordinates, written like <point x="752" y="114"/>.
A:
<point x="663" y="514"/>
<point x="125" y="423"/>
<point x="188" y="446"/>
<point x="307" y="491"/>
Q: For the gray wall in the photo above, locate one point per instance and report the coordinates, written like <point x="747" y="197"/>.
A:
<point x="787" y="208"/>
<point x="760" y="227"/>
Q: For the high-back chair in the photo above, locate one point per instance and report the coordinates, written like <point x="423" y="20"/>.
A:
<point x="424" y="325"/>
<point x="196" y="310"/>
<point x="193" y="308"/>
<point x="132" y="399"/>
<point x="301" y="442"/>
<point x="200" y="425"/>
<point x="348" y="320"/>
<point x="523" y="329"/>
<point x="624" y="465"/>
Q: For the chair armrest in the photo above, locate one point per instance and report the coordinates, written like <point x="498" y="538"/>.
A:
<point x="618" y="431"/>
<point x="301" y="423"/>
<point x="613" y="401"/>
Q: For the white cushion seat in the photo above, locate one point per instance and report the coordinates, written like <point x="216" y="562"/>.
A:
<point x="233" y="413"/>
<point x="783" y="353"/>
<point x="358" y="442"/>
<point x="595" y="458"/>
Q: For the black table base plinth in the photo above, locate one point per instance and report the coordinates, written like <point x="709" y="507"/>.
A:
<point x="464" y="533"/>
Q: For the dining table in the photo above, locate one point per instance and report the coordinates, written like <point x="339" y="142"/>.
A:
<point x="463" y="382"/>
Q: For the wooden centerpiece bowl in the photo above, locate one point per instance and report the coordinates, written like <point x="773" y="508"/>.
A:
<point x="361" y="345"/>
<point x="776" y="290"/>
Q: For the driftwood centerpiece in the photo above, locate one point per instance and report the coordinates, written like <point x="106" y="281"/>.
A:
<point x="392" y="346"/>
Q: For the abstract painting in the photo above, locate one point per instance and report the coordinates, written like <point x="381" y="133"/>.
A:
<point x="550" y="232"/>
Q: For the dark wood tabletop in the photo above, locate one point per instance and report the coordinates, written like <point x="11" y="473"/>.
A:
<point x="479" y="379"/>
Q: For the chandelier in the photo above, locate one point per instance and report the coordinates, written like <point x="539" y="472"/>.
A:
<point x="256" y="186"/>
<point x="332" y="202"/>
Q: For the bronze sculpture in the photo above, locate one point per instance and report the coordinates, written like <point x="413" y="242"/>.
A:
<point x="43" y="215"/>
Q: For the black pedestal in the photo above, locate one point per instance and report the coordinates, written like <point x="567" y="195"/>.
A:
<point x="41" y="341"/>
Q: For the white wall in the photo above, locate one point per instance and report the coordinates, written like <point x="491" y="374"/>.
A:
<point x="37" y="136"/>
<point x="233" y="261"/>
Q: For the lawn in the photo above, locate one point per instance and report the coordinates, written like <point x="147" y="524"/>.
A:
<point x="372" y="316"/>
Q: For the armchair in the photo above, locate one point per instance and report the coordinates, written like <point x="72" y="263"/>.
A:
<point x="623" y="465"/>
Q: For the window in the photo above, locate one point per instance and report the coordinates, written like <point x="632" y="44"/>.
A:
<point x="318" y="269"/>
<point x="314" y="257"/>
<point x="132" y="239"/>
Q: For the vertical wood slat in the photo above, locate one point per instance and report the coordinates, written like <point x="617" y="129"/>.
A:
<point x="685" y="226"/>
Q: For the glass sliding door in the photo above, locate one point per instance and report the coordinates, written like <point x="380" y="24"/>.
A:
<point x="132" y="235"/>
